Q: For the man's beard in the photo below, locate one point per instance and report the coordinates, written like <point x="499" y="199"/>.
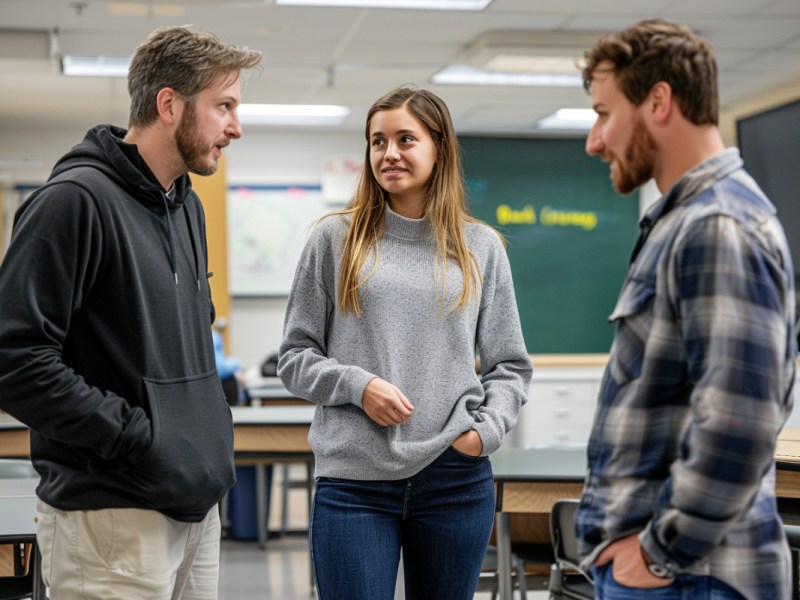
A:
<point x="639" y="161"/>
<point x="191" y="146"/>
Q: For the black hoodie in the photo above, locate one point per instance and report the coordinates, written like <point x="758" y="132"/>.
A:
<point x="105" y="338"/>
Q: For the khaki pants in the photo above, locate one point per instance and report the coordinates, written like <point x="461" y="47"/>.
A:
<point x="127" y="553"/>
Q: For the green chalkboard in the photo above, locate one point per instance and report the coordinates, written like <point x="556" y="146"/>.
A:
<point x="569" y="235"/>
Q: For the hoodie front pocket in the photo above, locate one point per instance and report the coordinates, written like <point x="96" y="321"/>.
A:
<point x="189" y="465"/>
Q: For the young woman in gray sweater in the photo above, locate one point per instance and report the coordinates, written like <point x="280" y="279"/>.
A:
<point x="391" y="298"/>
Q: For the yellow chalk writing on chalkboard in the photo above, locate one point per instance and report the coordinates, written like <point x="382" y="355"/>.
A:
<point x="507" y="215"/>
<point x="585" y="220"/>
<point x="548" y="217"/>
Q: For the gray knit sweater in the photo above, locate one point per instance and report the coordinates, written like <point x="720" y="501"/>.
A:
<point x="407" y="337"/>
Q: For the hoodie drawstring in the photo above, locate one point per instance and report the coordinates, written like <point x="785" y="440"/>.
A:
<point x="194" y="247"/>
<point x="170" y="237"/>
<point x="171" y="241"/>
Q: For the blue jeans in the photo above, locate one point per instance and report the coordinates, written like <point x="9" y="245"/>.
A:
<point x="685" y="587"/>
<point x="441" y="518"/>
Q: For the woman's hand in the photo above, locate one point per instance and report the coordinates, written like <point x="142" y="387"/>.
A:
<point x="385" y="404"/>
<point x="469" y="443"/>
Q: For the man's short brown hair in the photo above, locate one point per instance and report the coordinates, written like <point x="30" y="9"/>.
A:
<point x="184" y="59"/>
<point x="658" y="50"/>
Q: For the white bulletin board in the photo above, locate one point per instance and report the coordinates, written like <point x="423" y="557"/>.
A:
<point x="267" y="229"/>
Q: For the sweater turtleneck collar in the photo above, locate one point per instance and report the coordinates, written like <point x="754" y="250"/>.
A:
<point x="405" y="228"/>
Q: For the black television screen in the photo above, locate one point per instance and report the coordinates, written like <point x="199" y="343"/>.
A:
<point x="770" y="146"/>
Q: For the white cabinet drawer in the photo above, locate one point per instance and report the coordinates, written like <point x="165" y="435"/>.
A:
<point x="560" y="406"/>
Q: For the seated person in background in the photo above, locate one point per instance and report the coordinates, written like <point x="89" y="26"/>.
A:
<point x="230" y="372"/>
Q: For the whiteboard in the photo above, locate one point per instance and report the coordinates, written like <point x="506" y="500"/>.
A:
<point x="267" y="229"/>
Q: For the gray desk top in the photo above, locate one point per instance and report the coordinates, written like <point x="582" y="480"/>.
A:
<point x="264" y="388"/>
<point x="10" y="488"/>
<point x="273" y="415"/>
<point x="269" y="392"/>
<point x="17" y="508"/>
<point x="16" y="517"/>
<point x="242" y="415"/>
<point x="545" y="463"/>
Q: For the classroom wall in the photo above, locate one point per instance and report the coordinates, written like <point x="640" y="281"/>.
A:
<point x="276" y="157"/>
<point x="264" y="157"/>
<point x="290" y="157"/>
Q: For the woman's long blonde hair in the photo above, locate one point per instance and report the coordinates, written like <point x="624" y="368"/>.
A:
<point x="446" y="204"/>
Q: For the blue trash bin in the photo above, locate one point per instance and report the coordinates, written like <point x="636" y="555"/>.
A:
<point x="242" y="503"/>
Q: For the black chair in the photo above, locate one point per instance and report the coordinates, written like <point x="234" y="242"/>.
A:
<point x="231" y="389"/>
<point x="793" y="534"/>
<point x="16" y="588"/>
<point x="567" y="579"/>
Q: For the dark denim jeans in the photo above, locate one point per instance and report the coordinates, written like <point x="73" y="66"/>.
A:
<point x="441" y="518"/>
<point x="685" y="587"/>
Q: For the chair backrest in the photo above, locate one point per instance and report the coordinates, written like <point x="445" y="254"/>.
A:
<point x="793" y="535"/>
<point x="14" y="468"/>
<point x="567" y="579"/>
<point x="562" y="530"/>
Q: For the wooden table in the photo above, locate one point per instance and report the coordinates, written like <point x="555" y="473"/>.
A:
<point x="529" y="481"/>
<point x="14" y="438"/>
<point x="787" y="463"/>
<point x="17" y="509"/>
<point x="272" y="434"/>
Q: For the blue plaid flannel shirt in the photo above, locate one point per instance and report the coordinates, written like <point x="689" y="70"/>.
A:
<point x="698" y="385"/>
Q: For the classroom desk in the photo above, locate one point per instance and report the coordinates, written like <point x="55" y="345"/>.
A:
<point x="529" y="481"/>
<point x="787" y="461"/>
<point x="267" y="391"/>
<point x="17" y="508"/>
<point x="271" y="434"/>
<point x="14" y="439"/>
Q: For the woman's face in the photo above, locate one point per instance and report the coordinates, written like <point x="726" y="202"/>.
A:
<point x="402" y="157"/>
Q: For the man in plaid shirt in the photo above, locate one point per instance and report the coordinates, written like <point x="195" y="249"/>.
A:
<point x="680" y="493"/>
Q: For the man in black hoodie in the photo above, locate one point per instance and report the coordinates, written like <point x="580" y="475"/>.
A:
<point x="105" y="338"/>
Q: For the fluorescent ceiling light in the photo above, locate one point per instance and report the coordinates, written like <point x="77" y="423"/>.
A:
<point x="465" y="75"/>
<point x="292" y="114"/>
<point x="529" y="50"/>
<point x="532" y="64"/>
<point x="417" y="4"/>
<point x="95" y="66"/>
<point x="567" y="119"/>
